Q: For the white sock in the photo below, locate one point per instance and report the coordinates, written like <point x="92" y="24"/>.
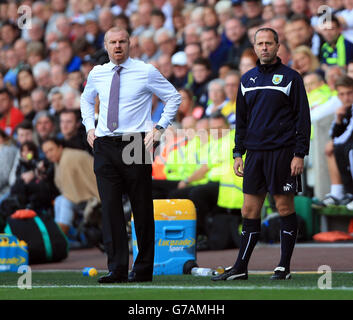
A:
<point x="337" y="190"/>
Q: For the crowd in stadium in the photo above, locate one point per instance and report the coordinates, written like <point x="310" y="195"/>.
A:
<point x="203" y="47"/>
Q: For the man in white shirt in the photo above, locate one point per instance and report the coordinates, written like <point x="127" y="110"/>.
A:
<point x="115" y="173"/>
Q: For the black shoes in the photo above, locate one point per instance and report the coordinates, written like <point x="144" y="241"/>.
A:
<point x="134" y="277"/>
<point x="231" y="274"/>
<point x="280" y="273"/>
<point x="112" y="277"/>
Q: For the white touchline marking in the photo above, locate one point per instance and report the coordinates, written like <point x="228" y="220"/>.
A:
<point x="175" y="287"/>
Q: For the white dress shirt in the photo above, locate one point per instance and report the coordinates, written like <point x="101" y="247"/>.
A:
<point x="138" y="82"/>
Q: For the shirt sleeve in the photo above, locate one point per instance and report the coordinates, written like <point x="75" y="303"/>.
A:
<point x="240" y="123"/>
<point x="88" y="103"/>
<point x="302" y="116"/>
<point x="164" y="90"/>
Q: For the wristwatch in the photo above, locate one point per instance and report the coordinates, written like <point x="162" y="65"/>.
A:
<point x="299" y="154"/>
<point x="159" y="128"/>
<point x="237" y="155"/>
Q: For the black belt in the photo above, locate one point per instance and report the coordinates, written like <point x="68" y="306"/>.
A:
<point x="126" y="137"/>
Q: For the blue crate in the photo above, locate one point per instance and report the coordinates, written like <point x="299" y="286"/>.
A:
<point x="13" y="253"/>
<point x="175" y="236"/>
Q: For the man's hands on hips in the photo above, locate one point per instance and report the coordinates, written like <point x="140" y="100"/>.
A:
<point x="91" y="136"/>
<point x="297" y="166"/>
<point x="238" y="166"/>
<point x="151" y="138"/>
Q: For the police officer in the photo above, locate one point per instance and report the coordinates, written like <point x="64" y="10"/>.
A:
<point x="273" y="128"/>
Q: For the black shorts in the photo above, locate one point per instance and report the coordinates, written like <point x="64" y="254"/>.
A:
<point x="270" y="171"/>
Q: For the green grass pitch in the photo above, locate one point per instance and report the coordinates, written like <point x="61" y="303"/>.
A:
<point x="71" y="285"/>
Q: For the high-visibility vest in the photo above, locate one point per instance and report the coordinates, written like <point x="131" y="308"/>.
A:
<point x="184" y="161"/>
<point x="230" y="192"/>
<point x="334" y="56"/>
<point x="221" y="154"/>
<point x="319" y="96"/>
<point x="160" y="160"/>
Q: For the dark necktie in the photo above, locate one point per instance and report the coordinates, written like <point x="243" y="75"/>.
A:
<point x="113" y="108"/>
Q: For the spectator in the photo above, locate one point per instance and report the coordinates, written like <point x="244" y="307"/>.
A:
<point x="10" y="116"/>
<point x="212" y="48"/>
<point x="202" y="74"/>
<point x="284" y="54"/>
<point x="336" y="50"/>
<point x="35" y="53"/>
<point x="56" y="104"/>
<point x="278" y="23"/>
<point x="39" y="99"/>
<point x="72" y="132"/>
<point x="298" y="31"/>
<point x="8" y="34"/>
<point x="41" y="73"/>
<point x="148" y="47"/>
<point x="236" y="33"/>
<point x="12" y="65"/>
<point x="224" y="69"/>
<point x="178" y="27"/>
<point x="224" y="11"/>
<point x="317" y="90"/>
<point x="58" y="76"/>
<point x="232" y="80"/>
<point x="252" y="26"/>
<point x="345" y="18"/>
<point x="331" y="76"/>
<point x="44" y="128"/>
<point x="217" y="96"/>
<point x="304" y="60"/>
<point x="252" y="10"/>
<point x="165" y="41"/>
<point x="186" y="107"/>
<point x="210" y="17"/>
<point x="180" y="70"/>
<point x="281" y="8"/>
<point x="247" y="60"/>
<point x="26" y="107"/>
<point x="25" y="82"/>
<point x="20" y="47"/>
<point x="299" y="7"/>
<point x="23" y="133"/>
<point x="157" y="19"/>
<point x="63" y="27"/>
<point x="192" y="34"/>
<point x="33" y="187"/>
<point x="192" y="51"/>
<point x="105" y="19"/>
<point x="7" y="158"/>
<point x="74" y="178"/>
<point x="268" y="13"/>
<point x="164" y="65"/>
<point x="338" y="149"/>
<point x="66" y="56"/>
<point x="75" y="80"/>
<point x="36" y="32"/>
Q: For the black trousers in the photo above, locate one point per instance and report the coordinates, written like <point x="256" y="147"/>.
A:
<point x="343" y="160"/>
<point x="123" y="167"/>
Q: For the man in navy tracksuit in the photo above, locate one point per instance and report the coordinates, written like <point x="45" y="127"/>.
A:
<point x="273" y="128"/>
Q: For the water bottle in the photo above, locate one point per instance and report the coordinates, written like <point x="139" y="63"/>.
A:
<point x="202" y="272"/>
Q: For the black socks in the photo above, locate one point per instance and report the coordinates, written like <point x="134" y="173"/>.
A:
<point x="248" y="239"/>
<point x="251" y="233"/>
<point x="289" y="229"/>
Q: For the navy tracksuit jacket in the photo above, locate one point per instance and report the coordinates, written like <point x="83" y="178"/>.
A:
<point x="272" y="110"/>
